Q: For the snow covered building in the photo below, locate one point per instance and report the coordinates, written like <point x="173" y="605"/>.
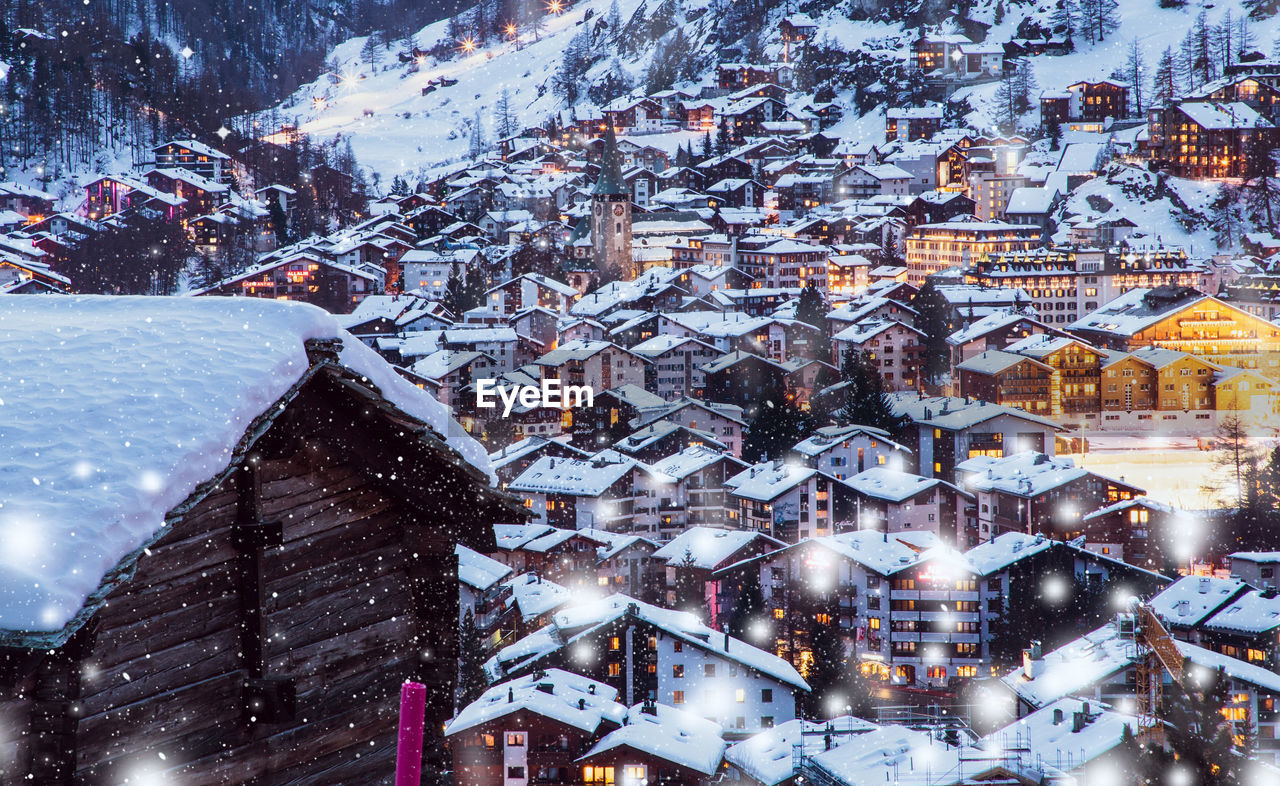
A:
<point x="656" y="654"/>
<point x="1186" y="320"/>
<point x="788" y="502"/>
<point x="590" y="493"/>
<point x="1034" y="493"/>
<point x="949" y="431"/>
<point x="683" y="490"/>
<point x="1102" y="666"/>
<point x="959" y="243"/>
<point x="842" y="451"/>
<point x="531" y="729"/>
<point x="167" y="538"/>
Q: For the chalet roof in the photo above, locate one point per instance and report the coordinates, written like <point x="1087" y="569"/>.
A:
<point x="1141" y="308"/>
<point x="199" y="148"/>
<point x="769" y="757"/>
<point x="554" y="694"/>
<point x="572" y="624"/>
<point x="1106" y="651"/>
<point x="994" y="361"/>
<point x="894" y="485"/>
<point x="1215" y="115"/>
<point x="708" y="548"/>
<point x="669" y="734"/>
<point x="578" y="477"/>
<point x="1000" y="319"/>
<point x="478" y="571"/>
<point x="117" y="444"/>
<point x="957" y="414"/>
<point x="828" y="437"/>
<point x="1191" y="600"/>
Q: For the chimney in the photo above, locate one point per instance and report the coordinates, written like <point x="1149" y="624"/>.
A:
<point x="1204" y="586"/>
<point x="547" y="687"/>
<point x="1077" y="721"/>
<point x="582" y="704"/>
<point x="1032" y="661"/>
<point x="591" y="689"/>
<point x="511" y="696"/>
<point x="1057" y="716"/>
<point x="1084" y="709"/>
<point x="649" y="708"/>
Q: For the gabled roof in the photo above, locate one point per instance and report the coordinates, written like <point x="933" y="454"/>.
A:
<point x="554" y="694"/>
<point x="666" y="733"/>
<point x="578" y="477"/>
<point x="708" y="548"/>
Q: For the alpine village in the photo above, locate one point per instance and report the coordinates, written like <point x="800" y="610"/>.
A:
<point x="755" y="393"/>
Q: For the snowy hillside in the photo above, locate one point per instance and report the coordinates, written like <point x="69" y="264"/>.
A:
<point x="394" y="129"/>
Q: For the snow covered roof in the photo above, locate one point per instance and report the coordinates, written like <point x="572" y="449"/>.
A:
<point x="566" y="698"/>
<point x="957" y="414"/>
<point x="1253" y="612"/>
<point x="518" y="450"/>
<point x="892" y="755"/>
<point x="997" y="320"/>
<point x="571" y="624"/>
<point x="669" y="734"/>
<point x="1028" y="200"/>
<point x="892" y="485"/>
<point x="1049" y="736"/>
<point x="1075" y="666"/>
<point x="1080" y="664"/>
<point x="578" y="477"/>
<point x="769" y="480"/>
<point x="995" y="555"/>
<point x="478" y="571"/>
<point x="534" y="596"/>
<point x="828" y="437"/>
<point x="708" y="549"/>
<point x="117" y="410"/>
<point x="994" y="361"/>
<point x="1138" y="309"/>
<point x="1125" y="504"/>
<point x="679" y="466"/>
<point x="1025" y="474"/>
<point x="1215" y="115"/>
<point x="769" y="757"/>
<point x="1191" y="600"/>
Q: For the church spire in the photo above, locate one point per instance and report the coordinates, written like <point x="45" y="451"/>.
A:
<point x="610" y="182"/>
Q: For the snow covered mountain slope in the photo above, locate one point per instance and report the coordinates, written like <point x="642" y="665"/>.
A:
<point x="395" y="129"/>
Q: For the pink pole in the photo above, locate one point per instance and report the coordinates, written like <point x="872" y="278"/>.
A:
<point x="413" y="707"/>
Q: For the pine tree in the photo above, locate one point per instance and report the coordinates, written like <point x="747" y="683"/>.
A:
<point x="614" y="19"/>
<point x="706" y="145"/>
<point x="723" y="138"/>
<point x="932" y="310"/>
<point x="826" y="671"/>
<point x="867" y="402"/>
<point x="1197" y="732"/>
<point x="1233" y="455"/>
<point x="775" y="428"/>
<point x="749" y="609"/>
<point x="1135" y="72"/>
<point x="1064" y="17"/>
<point x="691" y="591"/>
<point x="812" y="310"/>
<point x="1164" y="87"/>
<point x="471" y="680"/>
<point x="505" y="122"/>
<point x="478" y="145"/>
<point x="1053" y="130"/>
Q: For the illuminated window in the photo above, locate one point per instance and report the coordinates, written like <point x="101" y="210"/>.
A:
<point x="677" y="697"/>
<point x="515" y="739"/>
<point x="615" y="643"/>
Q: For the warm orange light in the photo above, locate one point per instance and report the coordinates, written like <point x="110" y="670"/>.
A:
<point x="511" y="29"/>
<point x="555" y="6"/>
<point x="468" y="44"/>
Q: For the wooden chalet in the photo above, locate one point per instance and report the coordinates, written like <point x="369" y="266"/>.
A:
<point x="256" y="623"/>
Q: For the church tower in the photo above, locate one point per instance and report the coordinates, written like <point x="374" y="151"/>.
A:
<point x="611" y="214"/>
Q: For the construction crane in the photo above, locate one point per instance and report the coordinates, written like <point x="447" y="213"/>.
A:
<point x="1157" y="654"/>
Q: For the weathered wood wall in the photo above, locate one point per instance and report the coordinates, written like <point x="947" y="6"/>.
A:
<point x="359" y="595"/>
